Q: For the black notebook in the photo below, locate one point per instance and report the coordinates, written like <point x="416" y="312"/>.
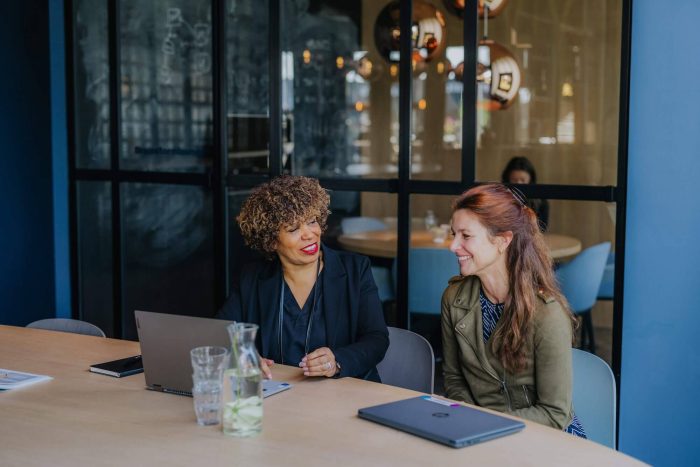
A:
<point x="118" y="368"/>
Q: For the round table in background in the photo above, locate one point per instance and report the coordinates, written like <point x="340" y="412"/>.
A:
<point x="382" y="243"/>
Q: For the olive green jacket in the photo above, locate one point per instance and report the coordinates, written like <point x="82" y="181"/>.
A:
<point x="473" y="374"/>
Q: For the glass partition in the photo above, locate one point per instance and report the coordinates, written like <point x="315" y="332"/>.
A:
<point x="91" y="85"/>
<point x="549" y="90"/>
<point x="166" y="85"/>
<point x="167" y="249"/>
<point x="436" y="136"/>
<point x="94" y="218"/>
<point x="247" y="84"/>
<point x="338" y="89"/>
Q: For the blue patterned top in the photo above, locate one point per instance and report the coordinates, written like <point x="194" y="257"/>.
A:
<point x="490" y="314"/>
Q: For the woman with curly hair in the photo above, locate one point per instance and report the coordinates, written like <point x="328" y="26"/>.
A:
<point x="316" y="307"/>
<point x="506" y="327"/>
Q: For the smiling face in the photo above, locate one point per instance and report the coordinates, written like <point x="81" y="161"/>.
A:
<point x="478" y="253"/>
<point x="299" y="244"/>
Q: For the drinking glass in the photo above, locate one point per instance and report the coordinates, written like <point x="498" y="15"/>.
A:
<point x="208" y="365"/>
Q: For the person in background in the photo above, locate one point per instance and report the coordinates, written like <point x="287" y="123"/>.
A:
<point x="506" y="327"/>
<point x="520" y="170"/>
<point x="316" y="307"/>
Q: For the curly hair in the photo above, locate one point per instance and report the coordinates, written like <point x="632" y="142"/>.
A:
<point x="281" y="202"/>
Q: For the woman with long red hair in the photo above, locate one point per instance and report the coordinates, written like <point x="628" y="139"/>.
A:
<point x="506" y="327"/>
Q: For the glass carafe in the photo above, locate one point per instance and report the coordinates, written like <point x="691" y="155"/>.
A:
<point x="242" y="389"/>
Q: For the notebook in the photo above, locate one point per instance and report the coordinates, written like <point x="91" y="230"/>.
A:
<point x="119" y="368"/>
<point x="442" y="421"/>
<point x="166" y="341"/>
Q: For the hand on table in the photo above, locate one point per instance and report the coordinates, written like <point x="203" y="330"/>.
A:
<point x="320" y="362"/>
<point x="265" y="365"/>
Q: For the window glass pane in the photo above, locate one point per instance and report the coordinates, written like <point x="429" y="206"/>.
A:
<point x="563" y="116"/>
<point x="248" y="82"/>
<point x="573" y="227"/>
<point x="91" y="81"/>
<point x="337" y="89"/>
<point x="167" y="250"/>
<point x="365" y="223"/>
<point x="238" y="253"/>
<point x="592" y="223"/>
<point x="436" y="116"/>
<point x="166" y="85"/>
<point x="94" y="212"/>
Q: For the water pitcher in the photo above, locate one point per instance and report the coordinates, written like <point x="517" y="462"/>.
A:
<point x="242" y="388"/>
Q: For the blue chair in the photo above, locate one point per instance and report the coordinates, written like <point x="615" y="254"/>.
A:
<point x="382" y="275"/>
<point x="607" y="284"/>
<point x="580" y="281"/>
<point x="429" y="271"/>
<point x="594" y="397"/>
<point x="409" y="362"/>
<point x="67" y="325"/>
<point x="351" y="225"/>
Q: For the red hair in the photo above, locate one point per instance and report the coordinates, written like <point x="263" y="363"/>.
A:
<point x="528" y="262"/>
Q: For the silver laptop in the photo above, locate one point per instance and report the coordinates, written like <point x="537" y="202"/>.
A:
<point x="166" y="341"/>
<point x="439" y="420"/>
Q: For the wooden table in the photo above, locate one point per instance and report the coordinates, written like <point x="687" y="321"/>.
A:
<point x="382" y="243"/>
<point x="81" y="418"/>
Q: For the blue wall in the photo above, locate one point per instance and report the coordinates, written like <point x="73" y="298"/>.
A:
<point x="59" y="146"/>
<point x="660" y="380"/>
<point x="26" y="221"/>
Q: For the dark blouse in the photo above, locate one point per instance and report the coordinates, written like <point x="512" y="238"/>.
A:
<point x="490" y="314"/>
<point x="296" y="321"/>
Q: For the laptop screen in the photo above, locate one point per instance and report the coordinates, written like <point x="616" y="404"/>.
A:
<point x="166" y="341"/>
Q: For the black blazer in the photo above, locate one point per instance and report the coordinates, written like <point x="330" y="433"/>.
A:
<point x="355" y="327"/>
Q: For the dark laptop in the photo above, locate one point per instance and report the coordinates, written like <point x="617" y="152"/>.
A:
<point x="443" y="421"/>
<point x="166" y="341"/>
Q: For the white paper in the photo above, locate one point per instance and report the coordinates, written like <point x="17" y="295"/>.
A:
<point x="10" y="379"/>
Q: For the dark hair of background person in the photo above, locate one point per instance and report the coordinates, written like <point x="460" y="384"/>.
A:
<point x="519" y="163"/>
<point x="540" y="206"/>
<point x="529" y="264"/>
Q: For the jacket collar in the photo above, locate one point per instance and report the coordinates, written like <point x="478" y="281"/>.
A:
<point x="471" y="326"/>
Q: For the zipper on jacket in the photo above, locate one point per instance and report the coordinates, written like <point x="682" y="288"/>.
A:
<point x="504" y="391"/>
<point x="527" y="399"/>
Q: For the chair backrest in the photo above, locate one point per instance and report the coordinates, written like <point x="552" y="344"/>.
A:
<point x="409" y="362"/>
<point x="580" y="278"/>
<point x="351" y="225"/>
<point x="429" y="271"/>
<point x="607" y="284"/>
<point x="594" y="396"/>
<point x="67" y="325"/>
